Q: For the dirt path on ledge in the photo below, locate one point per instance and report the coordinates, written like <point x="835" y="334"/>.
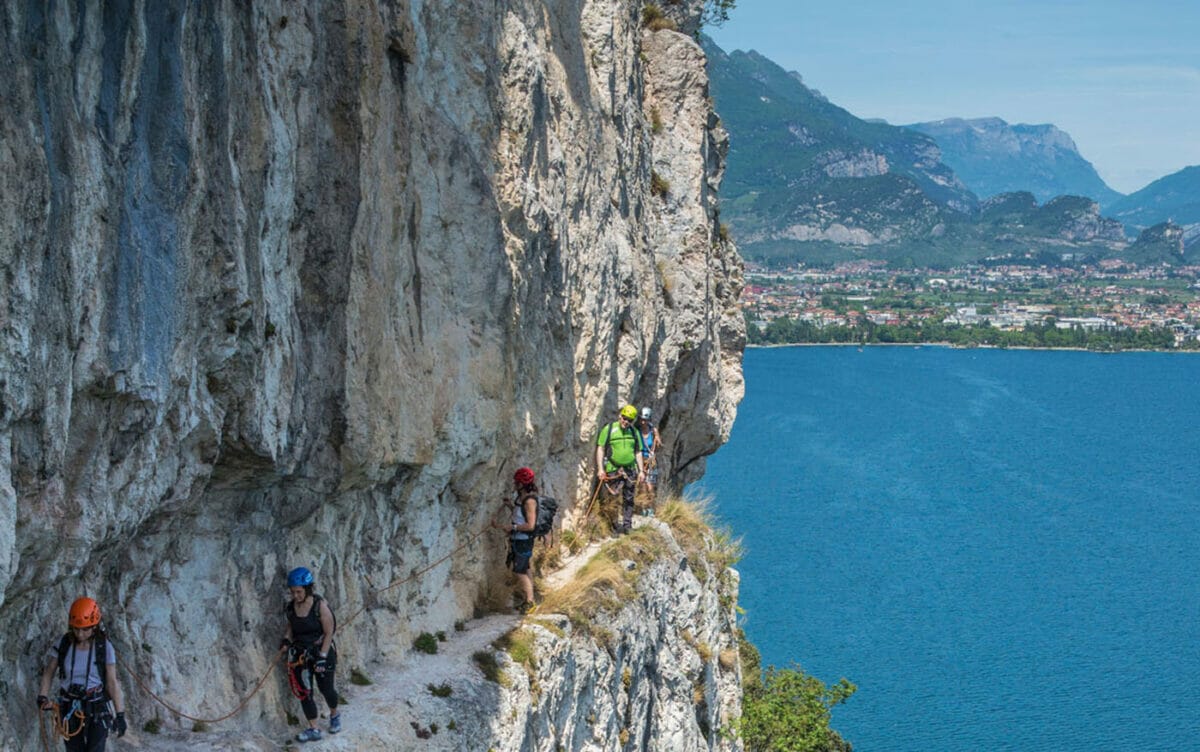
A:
<point x="380" y="716"/>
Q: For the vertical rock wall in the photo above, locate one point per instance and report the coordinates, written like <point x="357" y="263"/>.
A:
<point x="302" y="283"/>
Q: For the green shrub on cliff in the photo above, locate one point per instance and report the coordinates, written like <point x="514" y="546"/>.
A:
<point x="789" y="712"/>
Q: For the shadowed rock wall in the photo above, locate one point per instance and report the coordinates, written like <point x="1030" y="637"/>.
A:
<point x="303" y="283"/>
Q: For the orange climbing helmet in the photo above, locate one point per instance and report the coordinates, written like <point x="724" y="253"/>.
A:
<point x="85" y="613"/>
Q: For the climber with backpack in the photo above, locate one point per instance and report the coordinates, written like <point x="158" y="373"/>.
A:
<point x="619" y="461"/>
<point x="312" y="655"/>
<point x="532" y="517"/>
<point x="650" y="442"/>
<point x="90" y="702"/>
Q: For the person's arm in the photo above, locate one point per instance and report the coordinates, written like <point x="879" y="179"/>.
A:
<point x="530" y="507"/>
<point x="326" y="617"/>
<point x="600" y="454"/>
<point x="286" y="641"/>
<point x="115" y="693"/>
<point x="639" y="456"/>
<point x="44" y="700"/>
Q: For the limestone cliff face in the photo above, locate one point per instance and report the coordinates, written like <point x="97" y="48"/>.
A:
<point x="303" y="283"/>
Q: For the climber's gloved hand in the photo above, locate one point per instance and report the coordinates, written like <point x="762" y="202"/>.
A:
<point x="43" y="703"/>
<point x="319" y="666"/>
<point x="120" y="725"/>
<point x="285" y="643"/>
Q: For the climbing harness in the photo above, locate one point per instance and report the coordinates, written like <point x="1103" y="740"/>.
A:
<point x="301" y="687"/>
<point x="54" y="722"/>
<point x="280" y="655"/>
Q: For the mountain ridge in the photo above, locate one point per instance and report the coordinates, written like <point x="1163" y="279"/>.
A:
<point x="1174" y="197"/>
<point x="807" y="180"/>
<point x="992" y="157"/>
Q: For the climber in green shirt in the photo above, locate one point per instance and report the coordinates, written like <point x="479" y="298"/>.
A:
<point x="619" y="448"/>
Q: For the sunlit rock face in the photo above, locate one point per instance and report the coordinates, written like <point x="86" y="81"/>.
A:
<point x="302" y="284"/>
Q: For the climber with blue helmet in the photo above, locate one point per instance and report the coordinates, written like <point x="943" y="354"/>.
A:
<point x="650" y="443"/>
<point x="312" y="656"/>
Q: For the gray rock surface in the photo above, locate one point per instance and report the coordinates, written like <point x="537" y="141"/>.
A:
<point x="302" y="284"/>
<point x="665" y="679"/>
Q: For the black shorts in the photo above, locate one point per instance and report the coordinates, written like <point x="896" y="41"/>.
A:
<point x="520" y="551"/>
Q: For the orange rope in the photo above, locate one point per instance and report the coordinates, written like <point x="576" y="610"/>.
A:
<point x="241" y="706"/>
<point x="42" y="727"/>
<point x="470" y="539"/>
<point x="59" y="726"/>
<point x="588" y="513"/>
<point x="257" y="687"/>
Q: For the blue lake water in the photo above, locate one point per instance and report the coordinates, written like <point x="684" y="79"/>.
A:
<point x="1000" y="548"/>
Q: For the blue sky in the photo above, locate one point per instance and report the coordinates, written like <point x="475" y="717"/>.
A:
<point x="1122" y="78"/>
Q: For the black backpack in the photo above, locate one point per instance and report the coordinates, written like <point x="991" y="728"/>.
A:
<point x="544" y="523"/>
<point x="99" y="648"/>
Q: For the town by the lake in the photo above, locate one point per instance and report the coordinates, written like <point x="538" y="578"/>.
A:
<point x="1109" y="305"/>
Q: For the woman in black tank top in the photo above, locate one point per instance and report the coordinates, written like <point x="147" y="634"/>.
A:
<point x="312" y="655"/>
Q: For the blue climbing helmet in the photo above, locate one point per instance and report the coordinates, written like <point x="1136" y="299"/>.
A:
<point x="300" y="577"/>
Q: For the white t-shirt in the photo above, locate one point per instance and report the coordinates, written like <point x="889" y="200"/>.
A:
<point x="80" y="665"/>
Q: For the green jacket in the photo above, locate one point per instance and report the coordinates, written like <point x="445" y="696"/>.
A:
<point x="621" y="446"/>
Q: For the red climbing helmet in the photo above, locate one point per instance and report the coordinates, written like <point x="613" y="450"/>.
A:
<point x="523" y="476"/>
<point x="85" y="613"/>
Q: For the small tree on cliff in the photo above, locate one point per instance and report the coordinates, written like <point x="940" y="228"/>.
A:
<point x="789" y="712"/>
<point x="716" y="12"/>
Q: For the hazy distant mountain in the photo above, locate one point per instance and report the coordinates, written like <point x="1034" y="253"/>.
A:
<point x="1162" y="243"/>
<point x="1175" y="197"/>
<point x="992" y="157"/>
<point x="807" y="180"/>
<point x="804" y="168"/>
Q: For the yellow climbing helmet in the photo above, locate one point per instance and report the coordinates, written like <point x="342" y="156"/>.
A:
<point x="629" y="412"/>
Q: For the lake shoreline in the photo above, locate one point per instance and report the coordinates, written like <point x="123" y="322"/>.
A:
<point x="950" y="346"/>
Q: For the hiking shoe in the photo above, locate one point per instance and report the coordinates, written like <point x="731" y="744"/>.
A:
<point x="526" y="607"/>
<point x="335" y="724"/>
<point x="309" y="735"/>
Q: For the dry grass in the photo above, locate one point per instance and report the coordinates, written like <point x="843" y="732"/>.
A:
<point x="693" y="526"/>
<point x="654" y="19"/>
<point x="728" y="659"/>
<point x="546" y="558"/>
<point x="521" y="646"/>
<point x="487" y="663"/>
<point x="519" y="643"/>
<point x="659" y="186"/>
<point x="573" y="542"/>
<point x="602" y="584"/>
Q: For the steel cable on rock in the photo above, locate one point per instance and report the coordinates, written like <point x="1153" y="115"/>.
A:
<point x="262" y="680"/>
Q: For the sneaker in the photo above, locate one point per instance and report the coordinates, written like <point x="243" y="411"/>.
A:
<point x="309" y="735"/>
<point x="335" y="724"/>
<point x="526" y="607"/>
